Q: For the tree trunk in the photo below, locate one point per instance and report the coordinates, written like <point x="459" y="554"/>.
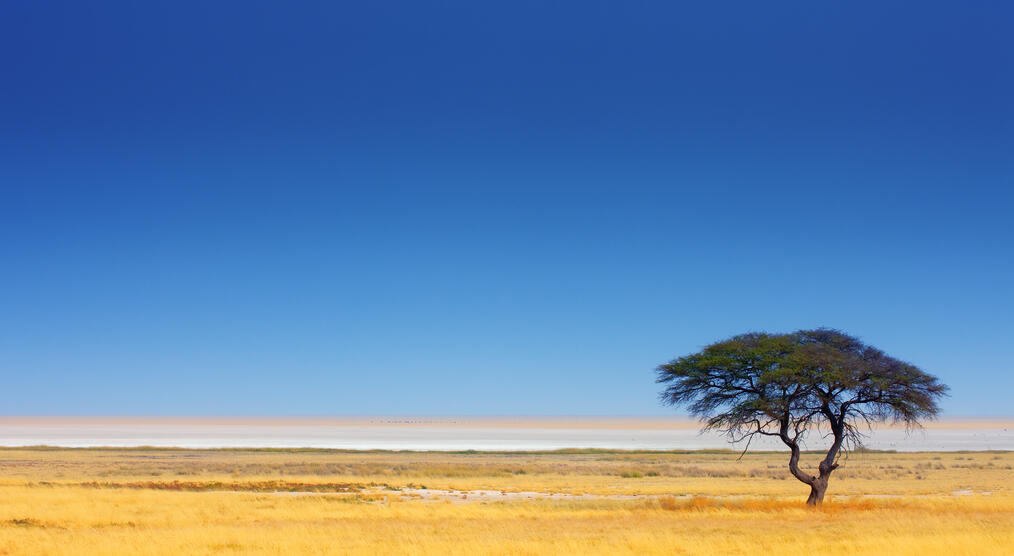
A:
<point x="819" y="484"/>
<point x="817" y="490"/>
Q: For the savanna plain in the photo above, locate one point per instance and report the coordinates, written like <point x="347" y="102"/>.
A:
<point x="176" y="501"/>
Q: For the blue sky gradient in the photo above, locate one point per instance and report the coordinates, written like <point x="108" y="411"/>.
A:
<point x="491" y="208"/>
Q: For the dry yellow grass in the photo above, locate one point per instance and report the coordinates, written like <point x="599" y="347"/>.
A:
<point x="320" y="502"/>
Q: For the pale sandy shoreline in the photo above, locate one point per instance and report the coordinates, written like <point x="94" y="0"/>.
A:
<point x="514" y="422"/>
<point x="457" y="433"/>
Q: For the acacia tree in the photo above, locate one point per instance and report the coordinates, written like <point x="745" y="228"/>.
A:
<point x="786" y="385"/>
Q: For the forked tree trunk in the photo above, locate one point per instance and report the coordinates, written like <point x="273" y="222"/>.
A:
<point x="818" y="484"/>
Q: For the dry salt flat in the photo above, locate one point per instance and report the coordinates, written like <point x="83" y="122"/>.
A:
<point x="457" y="433"/>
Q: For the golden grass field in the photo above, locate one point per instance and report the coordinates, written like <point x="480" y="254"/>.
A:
<point x="156" y="501"/>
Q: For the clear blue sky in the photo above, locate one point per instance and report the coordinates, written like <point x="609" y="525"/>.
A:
<point x="491" y="208"/>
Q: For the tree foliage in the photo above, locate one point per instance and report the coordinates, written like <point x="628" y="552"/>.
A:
<point x="785" y="385"/>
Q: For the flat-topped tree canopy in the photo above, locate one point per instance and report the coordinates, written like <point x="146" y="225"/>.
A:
<point x="784" y="385"/>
